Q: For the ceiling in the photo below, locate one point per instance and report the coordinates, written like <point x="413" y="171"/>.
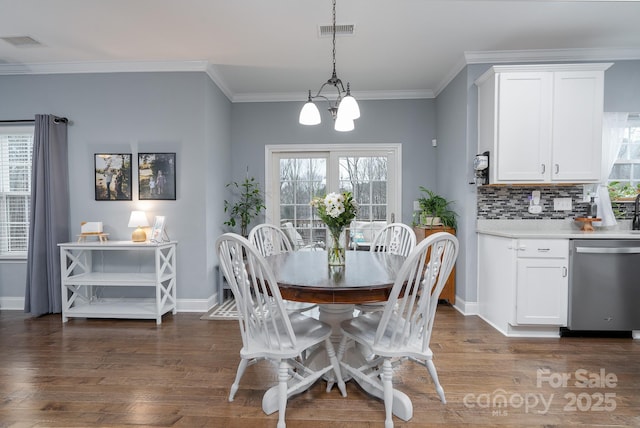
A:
<point x="259" y="50"/>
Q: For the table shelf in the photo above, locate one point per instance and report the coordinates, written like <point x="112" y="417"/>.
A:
<point x="131" y="308"/>
<point x="116" y="279"/>
<point x="80" y="281"/>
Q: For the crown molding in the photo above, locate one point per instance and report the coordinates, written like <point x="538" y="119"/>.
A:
<point x="102" y="67"/>
<point x="539" y="55"/>
<point x="359" y="95"/>
<point x="476" y="57"/>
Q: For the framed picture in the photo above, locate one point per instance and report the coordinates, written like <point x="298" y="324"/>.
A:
<point x="157" y="232"/>
<point x="157" y="176"/>
<point x="113" y="176"/>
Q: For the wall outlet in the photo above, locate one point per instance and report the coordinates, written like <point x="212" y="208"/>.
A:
<point x="562" y="204"/>
<point x="416" y="206"/>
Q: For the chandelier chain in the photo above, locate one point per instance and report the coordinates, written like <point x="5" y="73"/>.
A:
<point x="334" y="37"/>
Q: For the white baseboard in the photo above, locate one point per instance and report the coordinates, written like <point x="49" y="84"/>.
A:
<point x="466" y="308"/>
<point x="183" y="305"/>
<point x="12" y="303"/>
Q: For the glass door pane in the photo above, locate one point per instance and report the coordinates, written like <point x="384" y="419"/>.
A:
<point x="366" y="178"/>
<point x="301" y="179"/>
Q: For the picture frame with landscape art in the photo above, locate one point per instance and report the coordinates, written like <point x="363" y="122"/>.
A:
<point x="112" y="173"/>
<point x="157" y="176"/>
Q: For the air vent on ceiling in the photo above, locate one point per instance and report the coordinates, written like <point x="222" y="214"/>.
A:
<point x="21" y="41"/>
<point x="341" y="30"/>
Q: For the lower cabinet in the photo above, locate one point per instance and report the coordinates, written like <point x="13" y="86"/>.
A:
<point x="523" y="284"/>
<point x="542" y="283"/>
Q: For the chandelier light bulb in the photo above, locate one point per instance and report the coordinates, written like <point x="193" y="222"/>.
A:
<point x="343" y="124"/>
<point x="349" y="107"/>
<point x="309" y="115"/>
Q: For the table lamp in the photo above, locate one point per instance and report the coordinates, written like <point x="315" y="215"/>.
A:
<point x="138" y="220"/>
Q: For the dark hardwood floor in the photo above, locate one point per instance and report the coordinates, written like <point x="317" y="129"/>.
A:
<point x="126" y="373"/>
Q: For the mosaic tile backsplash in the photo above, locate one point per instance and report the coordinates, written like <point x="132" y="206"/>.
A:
<point x="512" y="203"/>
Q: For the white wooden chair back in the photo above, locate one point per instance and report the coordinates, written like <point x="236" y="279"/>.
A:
<point x="269" y="240"/>
<point x="264" y="322"/>
<point x="395" y="238"/>
<point x="407" y="320"/>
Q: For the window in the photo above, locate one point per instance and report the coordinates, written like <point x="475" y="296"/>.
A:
<point x="624" y="180"/>
<point x="16" y="143"/>
<point x="296" y="174"/>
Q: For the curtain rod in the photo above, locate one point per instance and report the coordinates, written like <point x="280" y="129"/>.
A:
<point x="56" y="120"/>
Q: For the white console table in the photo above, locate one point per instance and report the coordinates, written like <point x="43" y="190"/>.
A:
<point x="80" y="280"/>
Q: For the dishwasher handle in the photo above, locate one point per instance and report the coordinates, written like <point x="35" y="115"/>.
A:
<point x="604" y="250"/>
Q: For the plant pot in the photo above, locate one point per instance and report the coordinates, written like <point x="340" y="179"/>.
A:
<point x="429" y="221"/>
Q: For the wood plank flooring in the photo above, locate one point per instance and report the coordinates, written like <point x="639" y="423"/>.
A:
<point x="132" y="373"/>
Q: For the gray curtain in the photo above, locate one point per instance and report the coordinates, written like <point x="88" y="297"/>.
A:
<point x="49" y="218"/>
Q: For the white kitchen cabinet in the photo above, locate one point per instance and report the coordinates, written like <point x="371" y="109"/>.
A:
<point x="523" y="284"/>
<point x="542" y="123"/>
<point x="83" y="279"/>
<point x="542" y="283"/>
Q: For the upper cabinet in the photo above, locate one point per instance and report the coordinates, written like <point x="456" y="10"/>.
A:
<point x="542" y="123"/>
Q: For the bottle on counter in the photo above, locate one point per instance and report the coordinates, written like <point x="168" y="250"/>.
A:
<point x="592" y="209"/>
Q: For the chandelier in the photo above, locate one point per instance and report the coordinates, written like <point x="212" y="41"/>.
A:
<point x="345" y="108"/>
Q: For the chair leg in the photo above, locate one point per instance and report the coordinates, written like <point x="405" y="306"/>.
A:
<point x="336" y="368"/>
<point x="434" y="375"/>
<point x="387" y="376"/>
<point x="241" y="368"/>
<point x="283" y="377"/>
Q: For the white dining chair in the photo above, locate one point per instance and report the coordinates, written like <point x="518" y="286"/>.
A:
<point x="403" y="330"/>
<point x="268" y="331"/>
<point x="394" y="238"/>
<point x="269" y="240"/>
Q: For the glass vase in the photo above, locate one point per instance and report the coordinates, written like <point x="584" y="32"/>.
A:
<point x="336" y="251"/>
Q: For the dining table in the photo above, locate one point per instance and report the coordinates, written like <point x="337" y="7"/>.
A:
<point x="366" y="277"/>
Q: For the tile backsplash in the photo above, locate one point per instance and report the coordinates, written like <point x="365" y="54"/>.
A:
<point x="512" y="203"/>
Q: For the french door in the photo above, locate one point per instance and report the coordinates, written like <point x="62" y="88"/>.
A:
<point x="297" y="173"/>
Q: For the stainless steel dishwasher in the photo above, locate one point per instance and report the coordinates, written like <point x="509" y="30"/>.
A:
<point x="604" y="285"/>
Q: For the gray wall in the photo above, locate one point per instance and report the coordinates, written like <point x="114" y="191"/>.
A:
<point x="215" y="141"/>
<point x="410" y="122"/>
<point x="177" y="112"/>
<point x="454" y="166"/>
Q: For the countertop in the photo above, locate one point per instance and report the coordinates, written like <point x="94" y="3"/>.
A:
<point x="554" y="229"/>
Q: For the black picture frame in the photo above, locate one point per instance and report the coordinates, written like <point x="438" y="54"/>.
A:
<point x="112" y="173"/>
<point x="157" y="176"/>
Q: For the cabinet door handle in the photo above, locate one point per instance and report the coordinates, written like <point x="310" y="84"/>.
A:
<point x="564" y="271"/>
<point x="543" y="168"/>
<point x="557" y="168"/>
<point x="543" y="250"/>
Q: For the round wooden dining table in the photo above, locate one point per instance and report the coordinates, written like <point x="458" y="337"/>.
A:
<point x="366" y="277"/>
<point x="305" y="276"/>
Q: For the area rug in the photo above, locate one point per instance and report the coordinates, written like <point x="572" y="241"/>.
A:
<point x="226" y="311"/>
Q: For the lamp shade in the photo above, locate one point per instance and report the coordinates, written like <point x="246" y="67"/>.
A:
<point x="349" y="108"/>
<point x="138" y="219"/>
<point x="309" y="115"/>
<point x="344" y="124"/>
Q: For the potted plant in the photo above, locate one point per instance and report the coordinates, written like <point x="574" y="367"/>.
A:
<point x="436" y="210"/>
<point x="248" y="205"/>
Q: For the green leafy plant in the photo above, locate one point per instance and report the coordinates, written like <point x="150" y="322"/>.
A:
<point x="622" y="190"/>
<point x="249" y="203"/>
<point x="434" y="205"/>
